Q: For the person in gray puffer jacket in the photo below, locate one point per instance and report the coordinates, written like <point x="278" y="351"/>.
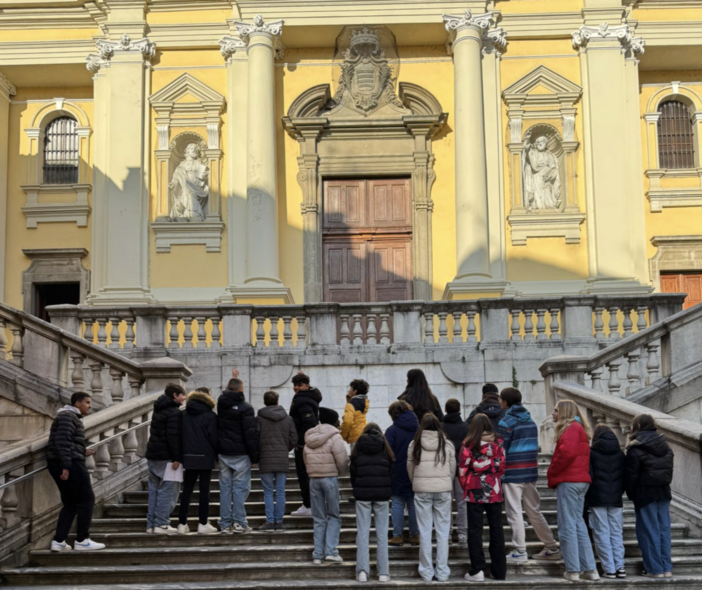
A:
<point x="278" y="436"/>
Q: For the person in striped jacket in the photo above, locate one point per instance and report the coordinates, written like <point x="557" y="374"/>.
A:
<point x="520" y="435"/>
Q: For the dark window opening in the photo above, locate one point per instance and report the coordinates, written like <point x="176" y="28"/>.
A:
<point x="676" y="138"/>
<point x="61" y="152"/>
<point x="54" y="294"/>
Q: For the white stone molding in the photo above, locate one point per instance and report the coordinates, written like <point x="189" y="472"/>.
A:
<point x="604" y="32"/>
<point x="258" y="27"/>
<point x="545" y="225"/>
<point x="229" y="46"/>
<point x="54" y="265"/>
<point x="6" y="87"/>
<point x="675" y="254"/>
<point x="496" y="38"/>
<point x="75" y="210"/>
<point x="169" y="234"/>
<point x="107" y="49"/>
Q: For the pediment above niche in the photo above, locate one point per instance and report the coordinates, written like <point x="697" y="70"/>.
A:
<point x="184" y="89"/>
<point x="542" y="87"/>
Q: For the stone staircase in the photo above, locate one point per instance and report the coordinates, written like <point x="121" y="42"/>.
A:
<point x="134" y="560"/>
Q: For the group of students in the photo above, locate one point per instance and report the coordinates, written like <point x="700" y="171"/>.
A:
<point x="419" y="465"/>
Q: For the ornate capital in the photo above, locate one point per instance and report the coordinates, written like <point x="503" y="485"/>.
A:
<point x="107" y="49"/>
<point x="495" y="40"/>
<point x="481" y="23"/>
<point x="228" y="46"/>
<point x="272" y="29"/>
<point x="7" y="86"/>
<point x="623" y="33"/>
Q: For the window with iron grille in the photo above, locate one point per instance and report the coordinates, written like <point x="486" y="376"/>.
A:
<point x="61" y="152"/>
<point x="676" y="139"/>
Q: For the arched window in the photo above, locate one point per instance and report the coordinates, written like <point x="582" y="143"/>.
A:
<point x="676" y="141"/>
<point x="61" y="152"/>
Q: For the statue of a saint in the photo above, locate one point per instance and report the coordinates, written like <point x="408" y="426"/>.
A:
<point x="189" y="187"/>
<point x="542" y="181"/>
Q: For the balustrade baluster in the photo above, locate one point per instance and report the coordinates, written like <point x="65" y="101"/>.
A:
<point x="357" y="329"/>
<point x="633" y="375"/>
<point x="188" y="332"/>
<point x="130" y="334"/>
<point x="371" y="330"/>
<point x="653" y="363"/>
<point x="553" y="327"/>
<point x="9" y="504"/>
<point x="135" y="384"/>
<point x="472" y="330"/>
<point x="301" y="331"/>
<point x="216" y="333"/>
<point x="613" y="323"/>
<point x="3" y="341"/>
<point x="116" y="450"/>
<point x="287" y="331"/>
<point x="599" y="324"/>
<point x="641" y="324"/>
<point x="515" y="324"/>
<point x="89" y="336"/>
<point x="540" y="325"/>
<point x="173" y="332"/>
<point x="96" y="385"/>
<point x="443" y="330"/>
<point x="274" y="336"/>
<point x="77" y="375"/>
<point x="114" y="332"/>
<point x="102" y="333"/>
<point x="428" y="327"/>
<point x="614" y="385"/>
<point x="102" y="461"/>
<point x="529" y="325"/>
<point x="201" y="334"/>
<point x="90" y="465"/>
<point x="131" y="446"/>
<point x="260" y="331"/>
<point x="17" y="349"/>
<point x="117" y="391"/>
<point x="344" y="331"/>
<point x="596" y="375"/>
<point x="456" y="336"/>
<point x="385" y="328"/>
<point x="628" y="324"/>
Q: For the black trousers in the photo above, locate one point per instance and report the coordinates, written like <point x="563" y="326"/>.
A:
<point x="190" y="477"/>
<point x="302" y="477"/>
<point x="498" y="559"/>
<point x="77" y="498"/>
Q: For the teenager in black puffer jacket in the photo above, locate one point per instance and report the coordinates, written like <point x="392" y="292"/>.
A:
<point x="372" y="474"/>
<point x="456" y="431"/>
<point x="490" y="406"/>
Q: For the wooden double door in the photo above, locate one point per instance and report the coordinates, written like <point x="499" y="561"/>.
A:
<point x="690" y="283"/>
<point x="367" y="240"/>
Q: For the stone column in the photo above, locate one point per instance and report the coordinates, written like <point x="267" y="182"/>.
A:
<point x="6" y="91"/>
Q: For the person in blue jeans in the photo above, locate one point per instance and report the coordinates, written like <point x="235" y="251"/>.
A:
<point x="648" y="473"/>
<point x="399" y="436"/>
<point x="237" y="431"/>
<point x="278" y="436"/>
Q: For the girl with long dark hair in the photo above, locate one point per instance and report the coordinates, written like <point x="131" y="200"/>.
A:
<point x="418" y="395"/>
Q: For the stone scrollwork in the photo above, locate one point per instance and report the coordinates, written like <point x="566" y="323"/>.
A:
<point x="494" y="38"/>
<point x="259" y="26"/>
<point x="106" y="50"/>
<point x="623" y="33"/>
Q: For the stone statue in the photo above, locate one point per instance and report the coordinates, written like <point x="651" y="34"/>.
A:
<point x="189" y="187"/>
<point x="542" y="180"/>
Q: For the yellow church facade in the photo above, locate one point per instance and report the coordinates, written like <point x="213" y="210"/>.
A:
<point x="279" y="151"/>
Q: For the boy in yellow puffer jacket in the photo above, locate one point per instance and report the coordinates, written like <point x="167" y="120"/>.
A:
<point x="354" y="420"/>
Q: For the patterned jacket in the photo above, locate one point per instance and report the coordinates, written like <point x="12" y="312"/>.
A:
<point x="480" y="471"/>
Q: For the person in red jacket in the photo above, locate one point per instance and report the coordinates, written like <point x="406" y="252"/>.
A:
<point x="569" y="475"/>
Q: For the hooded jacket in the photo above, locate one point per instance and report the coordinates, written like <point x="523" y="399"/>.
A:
<point x="571" y="457"/>
<point x="354" y="420"/>
<point x="67" y="438"/>
<point x="325" y="452"/>
<point x="430" y="475"/>
<point x="304" y="410"/>
<point x="277" y="438"/>
<point x="456" y="430"/>
<point x="372" y="470"/>
<point x="606" y="472"/>
<point x="480" y="471"/>
<point x="520" y="439"/>
<point x="648" y="469"/>
<point x="199" y="432"/>
<point x="237" y="429"/>
<point x="491" y="409"/>
<point x="166" y="431"/>
<point x="399" y="437"/>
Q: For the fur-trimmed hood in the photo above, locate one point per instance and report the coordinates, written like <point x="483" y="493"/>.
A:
<point x="198" y="402"/>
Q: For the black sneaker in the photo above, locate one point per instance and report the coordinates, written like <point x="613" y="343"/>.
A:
<point x="621" y="573"/>
<point x="279" y="527"/>
<point x="267" y="527"/>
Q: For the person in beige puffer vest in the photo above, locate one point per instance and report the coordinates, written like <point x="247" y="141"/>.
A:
<point x="325" y="459"/>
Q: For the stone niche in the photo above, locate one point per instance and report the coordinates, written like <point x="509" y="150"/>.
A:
<point x="188" y="165"/>
<point x="543" y="149"/>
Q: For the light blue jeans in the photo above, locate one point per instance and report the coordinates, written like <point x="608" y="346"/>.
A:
<point x="606" y="523"/>
<point x="163" y="498"/>
<point x="572" y="531"/>
<point x="363" y="523"/>
<point x="324" y="497"/>
<point x="274" y="495"/>
<point x="653" y="535"/>
<point x="433" y="512"/>
<point x="234" y="488"/>
<point x="398" y="515"/>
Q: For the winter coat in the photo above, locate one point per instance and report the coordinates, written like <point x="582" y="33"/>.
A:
<point x="606" y="472"/>
<point x="304" y="410"/>
<point x="166" y="431"/>
<point x="237" y="429"/>
<point x="571" y="458"/>
<point x="420" y="414"/>
<point x="354" y="420"/>
<point x="456" y="430"/>
<point x="481" y="470"/>
<point x="399" y="437"/>
<point x="66" y="438"/>
<point x="429" y="475"/>
<point x="648" y="469"/>
<point x="277" y="438"/>
<point x="325" y="452"/>
<point x="520" y="439"/>
<point x="372" y="470"/>
<point x="492" y="410"/>
<point x="199" y="432"/>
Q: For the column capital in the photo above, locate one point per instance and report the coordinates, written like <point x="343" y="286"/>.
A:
<point x="229" y="46"/>
<point x="479" y="24"/>
<point x="106" y="50"/>
<point x="7" y="88"/>
<point x="258" y="27"/>
<point x="604" y="33"/>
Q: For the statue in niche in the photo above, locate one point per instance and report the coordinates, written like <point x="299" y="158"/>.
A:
<point x="189" y="187"/>
<point x="542" y="179"/>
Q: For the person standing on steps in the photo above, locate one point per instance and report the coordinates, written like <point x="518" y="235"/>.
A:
<point x="418" y="395"/>
<point x="199" y="458"/>
<point x="569" y="475"/>
<point x="399" y="436"/>
<point x="456" y="430"/>
<point x="604" y="500"/>
<point x="490" y="406"/>
<point x="431" y="466"/>
<point x="164" y="451"/>
<point x="520" y="440"/>
<point x="355" y="411"/>
<point x="277" y="438"/>
<point x="372" y="474"/>
<point x="648" y="473"/>
<point x="237" y="433"/>
<point x="65" y="458"/>
<point x="326" y="459"/>
<point x="304" y="410"/>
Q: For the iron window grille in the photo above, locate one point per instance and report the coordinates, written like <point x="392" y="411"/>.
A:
<point x="676" y="138"/>
<point x="61" y="152"/>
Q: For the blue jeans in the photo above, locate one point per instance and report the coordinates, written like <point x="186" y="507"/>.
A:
<point x="163" y="497"/>
<point x="572" y="531"/>
<point x="434" y="512"/>
<point x="606" y="523"/>
<point x="653" y="535"/>
<point x="363" y="522"/>
<point x="274" y="495"/>
<point x="234" y="488"/>
<point x="324" y="497"/>
<point x="398" y="516"/>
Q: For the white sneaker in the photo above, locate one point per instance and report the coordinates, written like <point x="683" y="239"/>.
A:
<point x="183" y="529"/>
<point x="592" y="576"/>
<point x="165" y="530"/>
<point x="88" y="545"/>
<point x="462" y="539"/>
<point x="383" y="579"/>
<point x="517" y="557"/>
<point x="572" y="576"/>
<point x="334" y="558"/>
<point x="317" y="561"/>
<point x="302" y="511"/>
<point x="479" y="577"/>
<point x="207" y="529"/>
<point x="361" y="577"/>
<point x="150" y="531"/>
<point x="240" y="530"/>
<point x="56" y="546"/>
